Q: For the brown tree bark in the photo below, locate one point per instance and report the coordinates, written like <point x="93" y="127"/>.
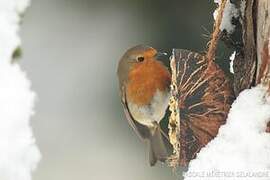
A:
<point x="202" y="94"/>
<point x="263" y="46"/>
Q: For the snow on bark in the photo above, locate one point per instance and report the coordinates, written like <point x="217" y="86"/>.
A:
<point x="241" y="149"/>
<point x="19" y="154"/>
<point x="230" y="12"/>
<point x="232" y="57"/>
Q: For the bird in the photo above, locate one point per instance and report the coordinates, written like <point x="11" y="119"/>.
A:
<point x="144" y="84"/>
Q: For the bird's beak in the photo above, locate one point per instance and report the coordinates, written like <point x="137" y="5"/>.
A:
<point x="161" y="56"/>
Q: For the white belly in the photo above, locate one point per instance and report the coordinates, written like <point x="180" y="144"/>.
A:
<point x="153" y="112"/>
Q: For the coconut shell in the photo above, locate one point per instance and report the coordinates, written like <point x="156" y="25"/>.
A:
<point x="201" y="99"/>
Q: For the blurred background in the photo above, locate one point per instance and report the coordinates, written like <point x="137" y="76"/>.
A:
<point x="70" y="52"/>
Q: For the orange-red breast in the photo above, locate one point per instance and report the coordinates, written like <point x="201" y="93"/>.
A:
<point x="144" y="85"/>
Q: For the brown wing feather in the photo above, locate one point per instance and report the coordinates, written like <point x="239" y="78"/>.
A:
<point x="141" y="130"/>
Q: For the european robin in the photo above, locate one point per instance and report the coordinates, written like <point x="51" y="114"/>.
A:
<point x="145" y="91"/>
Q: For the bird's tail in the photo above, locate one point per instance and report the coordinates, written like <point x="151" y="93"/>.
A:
<point x="159" y="150"/>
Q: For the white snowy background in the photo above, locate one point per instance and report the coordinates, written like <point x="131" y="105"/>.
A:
<point x="19" y="154"/>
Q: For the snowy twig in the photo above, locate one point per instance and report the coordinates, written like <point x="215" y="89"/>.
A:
<point x="216" y="33"/>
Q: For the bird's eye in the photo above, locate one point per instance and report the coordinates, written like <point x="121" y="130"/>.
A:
<point x="140" y="59"/>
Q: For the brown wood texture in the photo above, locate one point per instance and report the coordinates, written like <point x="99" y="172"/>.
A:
<point x="263" y="39"/>
<point x="263" y="44"/>
<point x="245" y="61"/>
<point x="204" y="96"/>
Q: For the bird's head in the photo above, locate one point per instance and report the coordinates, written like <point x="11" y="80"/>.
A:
<point x="135" y="57"/>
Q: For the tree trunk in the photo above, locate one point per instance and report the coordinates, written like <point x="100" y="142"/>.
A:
<point x="202" y="94"/>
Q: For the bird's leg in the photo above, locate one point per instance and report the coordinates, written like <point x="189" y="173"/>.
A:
<point x="157" y="125"/>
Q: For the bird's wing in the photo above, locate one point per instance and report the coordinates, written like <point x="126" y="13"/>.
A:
<point x="141" y="130"/>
